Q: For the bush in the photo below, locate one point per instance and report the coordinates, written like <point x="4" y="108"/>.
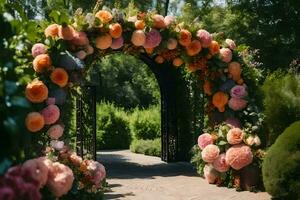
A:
<point x="281" y="165"/>
<point x="145" y="124"/>
<point x="282" y="102"/>
<point x="147" y="147"/>
<point x="113" y="130"/>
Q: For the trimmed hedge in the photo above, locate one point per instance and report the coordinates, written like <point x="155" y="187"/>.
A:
<point x="147" y="147"/>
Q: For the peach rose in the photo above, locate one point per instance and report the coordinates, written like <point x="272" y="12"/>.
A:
<point x="193" y="48"/>
<point x="204" y="37"/>
<point x="75" y="159"/>
<point x="36" y="91"/>
<point x="226" y="55"/>
<point x="214" y="47"/>
<point x="41" y="63"/>
<point x="204" y="140"/>
<point x="104" y="41"/>
<point x="52" y="30"/>
<point x="172" y="44"/>
<point x="38" y="49"/>
<point x="210" y="174"/>
<point x="239" y="156"/>
<point x="34" y="121"/>
<point x="158" y="21"/>
<point x="55" y="131"/>
<point x="210" y="153"/>
<point x="60" y="77"/>
<point x="230" y="43"/>
<point x="51" y="114"/>
<point x="115" y="30"/>
<point x="138" y="38"/>
<point x="185" y="37"/>
<point x="235" y="136"/>
<point x="66" y="32"/>
<point x="177" y="62"/>
<point x="234" y="69"/>
<point x="104" y="16"/>
<point x="139" y="24"/>
<point x="220" y="163"/>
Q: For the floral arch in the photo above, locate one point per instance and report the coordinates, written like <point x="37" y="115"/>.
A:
<point x="230" y="142"/>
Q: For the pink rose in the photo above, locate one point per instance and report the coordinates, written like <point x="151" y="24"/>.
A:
<point x="96" y="171"/>
<point x="220" y="163"/>
<point x="117" y="43"/>
<point x="235" y="136"/>
<point x="169" y="20"/>
<point x="55" y="131"/>
<point x="80" y="39"/>
<point x="51" y="114"/>
<point x="233" y="122"/>
<point x="239" y="156"/>
<point x="204" y="37"/>
<point x="210" y="174"/>
<point x="226" y="55"/>
<point x="239" y="91"/>
<point x="38" y="49"/>
<point x="57" y="145"/>
<point x="75" y="159"/>
<point x="210" y="153"/>
<point x="230" y="43"/>
<point x="237" y="104"/>
<point x="81" y="54"/>
<point x="50" y="101"/>
<point x="60" y="179"/>
<point x="204" y="140"/>
<point x="153" y="39"/>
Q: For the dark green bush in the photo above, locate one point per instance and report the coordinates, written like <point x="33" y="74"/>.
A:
<point x="281" y="165"/>
<point x="113" y="130"/>
<point x="147" y="147"/>
<point x="145" y="124"/>
<point x="282" y="102"/>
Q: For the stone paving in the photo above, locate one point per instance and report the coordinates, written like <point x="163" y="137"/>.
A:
<point x="139" y="177"/>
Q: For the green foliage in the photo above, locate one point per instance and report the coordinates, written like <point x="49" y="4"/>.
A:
<point x="113" y="130"/>
<point x="147" y="147"/>
<point x="145" y="123"/>
<point x="281" y="165"/>
<point x="282" y="103"/>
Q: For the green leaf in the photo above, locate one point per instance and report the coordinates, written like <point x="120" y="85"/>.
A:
<point x="221" y="143"/>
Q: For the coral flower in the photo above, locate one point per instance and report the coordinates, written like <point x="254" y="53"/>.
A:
<point x="117" y="43"/>
<point x="185" y="37"/>
<point x="80" y="39"/>
<point x="60" y="77"/>
<point x="220" y="100"/>
<point x="103" y="42"/>
<point x="177" y="62"/>
<point x="204" y="37"/>
<point x="55" y="131"/>
<point x="153" y="39"/>
<point x="104" y="16"/>
<point x="115" y="30"/>
<point x="193" y="48"/>
<point x="172" y="44"/>
<point x="214" y="47"/>
<point x="34" y="121"/>
<point x="66" y="32"/>
<point x="36" y="91"/>
<point x="158" y="21"/>
<point x="52" y="30"/>
<point x="220" y="163"/>
<point x="234" y="69"/>
<point x="226" y="55"/>
<point x="207" y="87"/>
<point x="41" y="63"/>
<point x="138" y="38"/>
<point x="139" y="24"/>
<point x="51" y="114"/>
<point x="235" y="136"/>
<point x="239" y="156"/>
<point x="38" y="49"/>
<point x="210" y="153"/>
<point x="237" y="104"/>
<point x="204" y="140"/>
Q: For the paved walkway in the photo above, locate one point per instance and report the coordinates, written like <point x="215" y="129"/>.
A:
<point x="138" y="177"/>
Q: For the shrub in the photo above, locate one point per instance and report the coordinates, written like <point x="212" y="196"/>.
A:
<point x="282" y="102"/>
<point x="281" y="165"/>
<point x="147" y="147"/>
<point x="113" y="130"/>
<point x="145" y="124"/>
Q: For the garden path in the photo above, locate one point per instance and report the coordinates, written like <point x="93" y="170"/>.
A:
<point x="139" y="177"/>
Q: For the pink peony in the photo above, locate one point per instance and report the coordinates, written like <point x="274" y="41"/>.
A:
<point x="7" y="193"/>
<point x="172" y="44"/>
<point x="37" y="169"/>
<point x="50" y="101"/>
<point x="239" y="156"/>
<point x="220" y="163"/>
<point x="239" y="91"/>
<point x="75" y="159"/>
<point x="138" y="38"/>
<point x="233" y="122"/>
<point x="226" y="55"/>
<point x="237" y="104"/>
<point x="117" y="43"/>
<point x="51" y="114"/>
<point x="210" y="153"/>
<point x="204" y="140"/>
<point x="169" y="20"/>
<point x="210" y="174"/>
<point x="80" y="39"/>
<point x="153" y="39"/>
<point x="55" y="131"/>
<point x="204" y="37"/>
<point x="230" y="43"/>
<point x="38" y="49"/>
<point x="60" y="179"/>
<point x="235" y="136"/>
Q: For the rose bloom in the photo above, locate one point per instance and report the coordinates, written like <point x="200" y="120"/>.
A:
<point x="204" y="37"/>
<point x="38" y="49"/>
<point x="115" y="30"/>
<point x="204" y="140"/>
<point x="220" y="100"/>
<point x="230" y="43"/>
<point x="60" y="77"/>
<point x="104" y="16"/>
<point x="237" y="104"/>
<point x="234" y="69"/>
<point x="239" y="91"/>
<point x="207" y="87"/>
<point x="57" y="145"/>
<point x="138" y="38"/>
<point x="36" y="91"/>
<point x="97" y="172"/>
<point x="158" y="21"/>
<point x="210" y="174"/>
<point x="60" y="179"/>
<point x="257" y="141"/>
<point x="159" y="59"/>
<point x="177" y="62"/>
<point x="235" y="136"/>
<point x="117" y="43"/>
<point x="104" y="41"/>
<point x="226" y="55"/>
<point x="81" y="54"/>
<point x="172" y="44"/>
<point x="41" y="63"/>
<point x="75" y="159"/>
<point x="250" y="140"/>
<point x="214" y="47"/>
<point x="51" y="114"/>
<point x="185" y="37"/>
<point x="80" y="39"/>
<point x="66" y="32"/>
<point x="239" y="156"/>
<point x="55" y="131"/>
<point x="89" y="50"/>
<point x="34" y="121"/>
<point x="52" y="30"/>
<point x="139" y="24"/>
<point x="169" y="20"/>
<point x="193" y="48"/>
<point x="153" y="39"/>
<point x="210" y="153"/>
<point x="220" y="163"/>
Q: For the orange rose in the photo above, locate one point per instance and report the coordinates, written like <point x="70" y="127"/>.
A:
<point x="214" y="47"/>
<point x="158" y="21"/>
<point x="177" y="62"/>
<point x="60" y="77"/>
<point x="159" y="59"/>
<point x="139" y="24"/>
<point x="104" y="41"/>
<point x="194" y="48"/>
<point x="42" y="62"/>
<point x="234" y="69"/>
<point x="115" y="30"/>
<point x="220" y="100"/>
<point x="207" y="87"/>
<point x="66" y="32"/>
<point x="34" y="121"/>
<point x="36" y="91"/>
<point x="52" y="30"/>
<point x="104" y="16"/>
<point x="185" y="37"/>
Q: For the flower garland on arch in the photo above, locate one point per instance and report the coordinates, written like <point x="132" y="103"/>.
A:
<point x="67" y="51"/>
